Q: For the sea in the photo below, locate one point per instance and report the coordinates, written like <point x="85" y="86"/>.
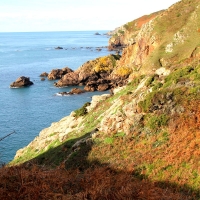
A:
<point x="26" y="111"/>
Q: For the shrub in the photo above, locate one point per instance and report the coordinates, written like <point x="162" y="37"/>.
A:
<point x="123" y="71"/>
<point x="82" y="111"/>
<point x="106" y="63"/>
<point x="156" y="121"/>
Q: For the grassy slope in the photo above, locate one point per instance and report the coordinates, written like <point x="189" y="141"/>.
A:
<point x="161" y="155"/>
<point x="157" y="158"/>
<point x="171" y="37"/>
<point x="179" y="27"/>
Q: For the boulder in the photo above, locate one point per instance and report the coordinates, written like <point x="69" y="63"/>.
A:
<point x="99" y="85"/>
<point x="57" y="48"/>
<point x="68" y="79"/>
<point x="21" y="82"/>
<point x="44" y="74"/>
<point x="58" y="73"/>
<point x="103" y="87"/>
<point x="76" y="91"/>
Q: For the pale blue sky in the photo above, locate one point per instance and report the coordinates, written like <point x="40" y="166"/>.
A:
<point x="69" y="15"/>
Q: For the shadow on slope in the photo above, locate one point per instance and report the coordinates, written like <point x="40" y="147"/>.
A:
<point x="75" y="177"/>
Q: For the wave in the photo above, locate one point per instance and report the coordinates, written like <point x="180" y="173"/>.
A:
<point x="58" y="94"/>
<point x="13" y="87"/>
<point x="48" y="49"/>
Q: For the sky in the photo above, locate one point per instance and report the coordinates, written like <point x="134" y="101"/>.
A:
<point x="73" y="15"/>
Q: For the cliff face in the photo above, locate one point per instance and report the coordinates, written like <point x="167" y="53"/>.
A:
<point x="125" y="35"/>
<point x="158" y="42"/>
<point x="149" y="128"/>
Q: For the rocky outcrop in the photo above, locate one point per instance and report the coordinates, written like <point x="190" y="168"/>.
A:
<point x="21" y="82"/>
<point x="57" y="130"/>
<point x="94" y="74"/>
<point x="70" y="79"/>
<point x="58" y="73"/>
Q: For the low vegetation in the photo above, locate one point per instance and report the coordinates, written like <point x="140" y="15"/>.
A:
<point x="142" y="142"/>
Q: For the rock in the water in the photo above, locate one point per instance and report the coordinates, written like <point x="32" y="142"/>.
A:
<point x="21" y="82"/>
<point x="44" y="74"/>
<point x="42" y="79"/>
<point x="76" y="91"/>
<point x="58" y="73"/>
<point x="73" y="91"/>
<point x="58" y="48"/>
<point x="97" y="33"/>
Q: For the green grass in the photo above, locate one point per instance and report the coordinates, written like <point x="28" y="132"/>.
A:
<point x="82" y="111"/>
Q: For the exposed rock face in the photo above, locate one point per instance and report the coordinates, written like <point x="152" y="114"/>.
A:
<point x="149" y="44"/>
<point x="125" y="35"/>
<point x="100" y="85"/>
<point x="96" y="99"/>
<point x="21" y="82"/>
<point x="58" y="73"/>
<point x="57" y="130"/>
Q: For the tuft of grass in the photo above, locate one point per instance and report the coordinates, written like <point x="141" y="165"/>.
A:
<point x="82" y="111"/>
<point x="155" y="122"/>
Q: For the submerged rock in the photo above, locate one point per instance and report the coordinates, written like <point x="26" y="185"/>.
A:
<point x="73" y="91"/>
<point x="57" y="48"/>
<point x="21" y="82"/>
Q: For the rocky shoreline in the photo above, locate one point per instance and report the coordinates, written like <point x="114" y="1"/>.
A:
<point x="95" y="75"/>
<point x="100" y="74"/>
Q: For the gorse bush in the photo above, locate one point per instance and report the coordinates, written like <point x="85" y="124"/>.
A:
<point x="106" y="63"/>
<point x="123" y="71"/>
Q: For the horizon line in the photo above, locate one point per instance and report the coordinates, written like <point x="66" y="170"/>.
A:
<point x="52" y="31"/>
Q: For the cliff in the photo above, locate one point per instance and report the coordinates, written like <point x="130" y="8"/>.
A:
<point x="169" y="38"/>
<point x="141" y="141"/>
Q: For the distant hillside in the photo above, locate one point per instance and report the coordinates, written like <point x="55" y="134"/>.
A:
<point x="140" y="142"/>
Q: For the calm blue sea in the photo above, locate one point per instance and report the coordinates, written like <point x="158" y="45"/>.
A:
<point x="29" y="110"/>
